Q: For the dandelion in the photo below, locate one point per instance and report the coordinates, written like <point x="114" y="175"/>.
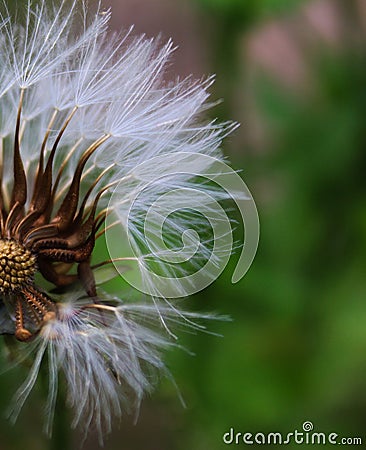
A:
<point x="89" y="131"/>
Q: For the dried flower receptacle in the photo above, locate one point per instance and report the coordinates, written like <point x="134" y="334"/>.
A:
<point x="35" y="236"/>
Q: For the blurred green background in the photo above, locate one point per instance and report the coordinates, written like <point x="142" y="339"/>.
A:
<point x="294" y="74"/>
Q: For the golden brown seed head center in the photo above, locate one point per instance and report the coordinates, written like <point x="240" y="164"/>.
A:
<point x="17" y="266"/>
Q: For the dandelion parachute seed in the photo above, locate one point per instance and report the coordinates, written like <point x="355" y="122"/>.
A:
<point x="84" y="116"/>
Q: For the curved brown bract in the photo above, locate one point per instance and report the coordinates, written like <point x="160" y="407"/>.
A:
<point x="39" y="237"/>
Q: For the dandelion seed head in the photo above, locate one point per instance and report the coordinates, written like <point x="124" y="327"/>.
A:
<point x="93" y="141"/>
